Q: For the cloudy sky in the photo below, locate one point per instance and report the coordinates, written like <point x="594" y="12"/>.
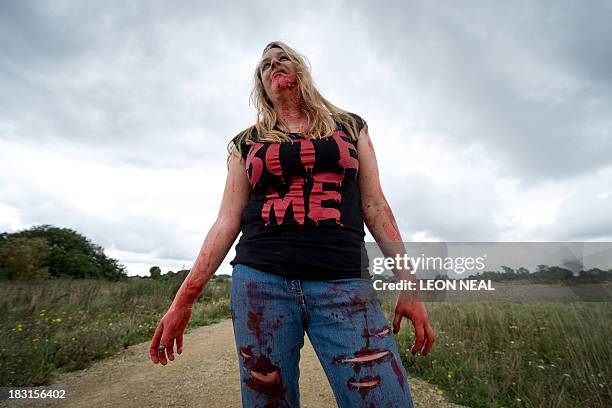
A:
<point x="490" y="122"/>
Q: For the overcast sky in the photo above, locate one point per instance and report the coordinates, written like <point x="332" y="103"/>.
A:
<point x="490" y="122"/>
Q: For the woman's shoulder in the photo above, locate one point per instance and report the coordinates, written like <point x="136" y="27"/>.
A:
<point x="244" y="135"/>
<point x="240" y="140"/>
<point x="355" y="120"/>
<point x="360" y="121"/>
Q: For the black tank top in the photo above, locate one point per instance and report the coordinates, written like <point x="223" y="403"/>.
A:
<point x="303" y="218"/>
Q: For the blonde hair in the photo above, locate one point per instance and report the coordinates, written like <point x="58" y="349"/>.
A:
<point x="322" y="114"/>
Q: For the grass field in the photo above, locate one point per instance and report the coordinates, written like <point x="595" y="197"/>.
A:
<point x="493" y="354"/>
<point x="53" y="325"/>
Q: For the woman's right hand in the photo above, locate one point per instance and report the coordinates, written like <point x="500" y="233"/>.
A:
<point x="170" y="328"/>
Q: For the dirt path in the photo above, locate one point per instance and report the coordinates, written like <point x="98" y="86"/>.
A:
<point x="205" y="375"/>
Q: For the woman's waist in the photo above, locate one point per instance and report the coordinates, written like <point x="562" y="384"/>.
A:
<point x="323" y="234"/>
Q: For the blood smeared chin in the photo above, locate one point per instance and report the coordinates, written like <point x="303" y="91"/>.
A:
<point x="283" y="81"/>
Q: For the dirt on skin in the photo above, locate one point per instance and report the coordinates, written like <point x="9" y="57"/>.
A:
<point x="205" y="375"/>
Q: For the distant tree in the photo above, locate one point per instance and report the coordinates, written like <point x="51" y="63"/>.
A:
<point x="523" y="272"/>
<point x="182" y="274"/>
<point x="71" y="254"/>
<point x="574" y="265"/>
<point x="508" y="274"/>
<point x="547" y="273"/>
<point x="24" y="258"/>
<point x="155" y="272"/>
<point x="178" y="279"/>
<point x="595" y="275"/>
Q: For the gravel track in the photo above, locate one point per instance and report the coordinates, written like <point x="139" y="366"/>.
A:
<point x="205" y="375"/>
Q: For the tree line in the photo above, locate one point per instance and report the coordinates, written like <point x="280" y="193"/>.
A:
<point x="45" y="251"/>
<point x="547" y="274"/>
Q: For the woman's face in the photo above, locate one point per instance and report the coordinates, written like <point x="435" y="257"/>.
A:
<point x="277" y="72"/>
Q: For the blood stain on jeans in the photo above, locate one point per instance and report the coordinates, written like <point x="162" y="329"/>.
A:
<point x="366" y="356"/>
<point x="363" y="385"/>
<point x="265" y="377"/>
<point x="397" y="370"/>
<point x="254" y="325"/>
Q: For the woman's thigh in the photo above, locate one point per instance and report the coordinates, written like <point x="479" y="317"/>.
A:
<point x="355" y="344"/>
<point x="269" y="333"/>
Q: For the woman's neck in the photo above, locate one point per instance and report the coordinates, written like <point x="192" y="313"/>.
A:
<point x="290" y="111"/>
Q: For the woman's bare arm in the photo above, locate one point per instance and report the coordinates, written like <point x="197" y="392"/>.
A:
<point x="379" y="219"/>
<point x="221" y="235"/>
<point x="375" y="209"/>
<point x="216" y="245"/>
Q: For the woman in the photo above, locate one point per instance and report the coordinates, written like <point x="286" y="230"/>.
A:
<point x="301" y="183"/>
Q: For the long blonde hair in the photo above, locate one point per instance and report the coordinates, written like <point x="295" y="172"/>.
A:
<point x="322" y="114"/>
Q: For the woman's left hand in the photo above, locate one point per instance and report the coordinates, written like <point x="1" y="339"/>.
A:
<point x="416" y="312"/>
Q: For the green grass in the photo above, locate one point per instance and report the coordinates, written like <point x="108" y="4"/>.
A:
<point x="496" y="354"/>
<point x="516" y="354"/>
<point x="63" y="325"/>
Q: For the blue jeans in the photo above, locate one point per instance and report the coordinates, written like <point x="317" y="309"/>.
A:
<point x="345" y="324"/>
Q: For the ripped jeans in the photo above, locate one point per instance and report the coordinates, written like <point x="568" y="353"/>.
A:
<point x="345" y="324"/>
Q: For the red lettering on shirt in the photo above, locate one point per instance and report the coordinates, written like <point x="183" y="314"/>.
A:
<point x="307" y="155"/>
<point x="315" y="211"/>
<point x="295" y="196"/>
<point x="272" y="160"/>
<point x="346" y="160"/>
<point x="254" y="164"/>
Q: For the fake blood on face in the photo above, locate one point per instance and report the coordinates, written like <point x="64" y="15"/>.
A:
<point x="280" y="80"/>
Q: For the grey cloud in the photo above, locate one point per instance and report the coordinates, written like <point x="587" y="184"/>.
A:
<point x="133" y="82"/>
<point x="497" y="75"/>
<point x="586" y="214"/>
<point x="582" y="219"/>
<point x="140" y="235"/>
<point x="448" y="212"/>
<point x="33" y="38"/>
